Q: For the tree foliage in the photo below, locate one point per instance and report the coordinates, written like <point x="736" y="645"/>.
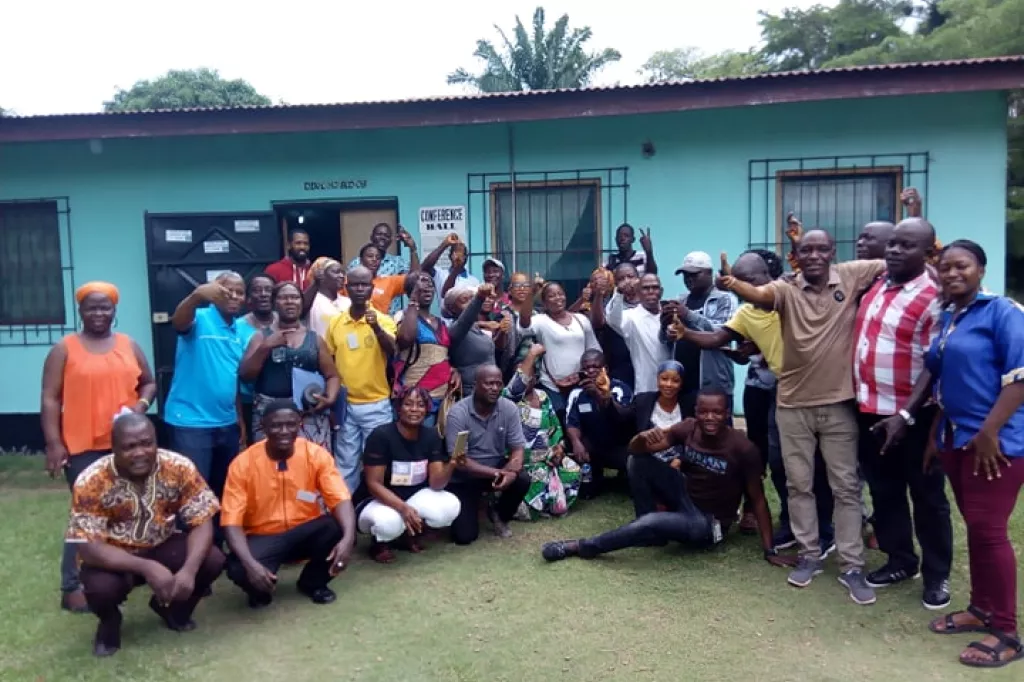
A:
<point x="184" y="90"/>
<point x="545" y="60"/>
<point x="690" y="63"/>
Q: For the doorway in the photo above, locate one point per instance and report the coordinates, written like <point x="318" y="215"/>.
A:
<point x="337" y="229"/>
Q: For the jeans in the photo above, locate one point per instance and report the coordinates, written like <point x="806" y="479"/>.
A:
<point x="361" y="419"/>
<point x="986" y="507"/>
<point x="106" y="590"/>
<point x="69" y="581"/>
<point x="210" y="449"/>
<point x="822" y="492"/>
<point x="654" y="481"/>
<point x="889" y="477"/>
<point x="465" y="528"/>
<point x="437" y="508"/>
<point x="311" y="542"/>
<point x="834" y="428"/>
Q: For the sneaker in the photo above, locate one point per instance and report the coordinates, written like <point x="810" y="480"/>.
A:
<point x="559" y="549"/>
<point x="887" y="575"/>
<point x="783" y="539"/>
<point x="827" y="547"/>
<point x="860" y="592"/>
<point x="804" y="573"/>
<point x="936" y="595"/>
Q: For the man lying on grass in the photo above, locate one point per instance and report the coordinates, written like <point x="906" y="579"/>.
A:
<point x="712" y="465"/>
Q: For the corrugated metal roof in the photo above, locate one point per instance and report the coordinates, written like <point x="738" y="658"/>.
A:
<point x="539" y="94"/>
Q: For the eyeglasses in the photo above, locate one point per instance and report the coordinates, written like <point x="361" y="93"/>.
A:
<point x="519" y="285"/>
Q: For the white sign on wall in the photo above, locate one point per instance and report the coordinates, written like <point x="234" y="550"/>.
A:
<point x="436" y="223"/>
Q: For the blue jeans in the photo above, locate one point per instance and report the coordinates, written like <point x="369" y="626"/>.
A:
<point x="361" y="420"/>
<point x="210" y="449"/>
<point x="822" y="490"/>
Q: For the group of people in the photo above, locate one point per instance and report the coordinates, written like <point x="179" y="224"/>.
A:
<point x="316" y="402"/>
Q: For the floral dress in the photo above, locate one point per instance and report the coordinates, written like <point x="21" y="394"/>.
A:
<point x="553" y="489"/>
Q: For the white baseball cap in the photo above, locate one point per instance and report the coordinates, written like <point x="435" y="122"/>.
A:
<point x="494" y="261"/>
<point x="696" y="261"/>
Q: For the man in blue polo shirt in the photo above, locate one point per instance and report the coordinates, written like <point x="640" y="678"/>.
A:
<point x="591" y="420"/>
<point x="202" y="407"/>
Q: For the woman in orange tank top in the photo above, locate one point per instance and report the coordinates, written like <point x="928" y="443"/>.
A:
<point x="88" y="378"/>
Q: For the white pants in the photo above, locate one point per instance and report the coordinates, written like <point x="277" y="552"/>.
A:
<point x="437" y="508"/>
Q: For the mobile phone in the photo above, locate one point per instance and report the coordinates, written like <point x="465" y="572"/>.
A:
<point x="581" y="375"/>
<point x="461" y="444"/>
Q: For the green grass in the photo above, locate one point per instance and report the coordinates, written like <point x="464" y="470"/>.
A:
<point x="491" y="612"/>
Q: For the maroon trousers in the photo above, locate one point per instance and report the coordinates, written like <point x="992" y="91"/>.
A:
<point x="986" y="507"/>
<point x="106" y="590"/>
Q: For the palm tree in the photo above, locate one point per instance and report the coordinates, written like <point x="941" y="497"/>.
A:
<point x="548" y="61"/>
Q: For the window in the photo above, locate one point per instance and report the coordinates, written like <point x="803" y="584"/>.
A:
<point x="31" y="266"/>
<point x="555" y="229"/>
<point x="841" y="202"/>
<point x="836" y="194"/>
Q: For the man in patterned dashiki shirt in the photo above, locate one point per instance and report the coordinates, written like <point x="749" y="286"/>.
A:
<point x="124" y="517"/>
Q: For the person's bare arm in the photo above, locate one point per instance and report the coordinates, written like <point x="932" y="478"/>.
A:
<point x="597" y="311"/>
<point x="146" y="387"/>
<point x="51" y="406"/>
<point x="197" y="546"/>
<point x="185" y="314"/>
<point x="239" y="545"/>
<point x="408" y="328"/>
<point x="651" y="268"/>
<point x="332" y="384"/>
<point x="256" y="354"/>
<point x="439" y="473"/>
<point x="711" y="340"/>
<point x="467" y="318"/>
<point x="763" y="295"/>
<point x="515" y="460"/>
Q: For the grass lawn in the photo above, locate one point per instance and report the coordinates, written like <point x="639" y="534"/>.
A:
<point x="492" y="612"/>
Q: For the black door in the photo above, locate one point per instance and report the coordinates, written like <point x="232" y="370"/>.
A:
<point x="185" y="250"/>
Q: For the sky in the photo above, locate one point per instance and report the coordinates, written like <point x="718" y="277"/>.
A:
<point x="68" y="56"/>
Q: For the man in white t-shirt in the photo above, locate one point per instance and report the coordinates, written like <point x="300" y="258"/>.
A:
<point x="639" y="327"/>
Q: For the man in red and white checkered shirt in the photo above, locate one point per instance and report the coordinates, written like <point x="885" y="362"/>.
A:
<point x="896" y="323"/>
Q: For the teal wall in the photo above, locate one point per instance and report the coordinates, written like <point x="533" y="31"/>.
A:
<point x="693" y="192"/>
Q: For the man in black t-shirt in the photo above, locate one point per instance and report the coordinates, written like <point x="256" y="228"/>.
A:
<point x="701" y="489"/>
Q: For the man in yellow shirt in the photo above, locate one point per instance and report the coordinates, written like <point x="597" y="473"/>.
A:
<point x="361" y="340"/>
<point x="762" y="326"/>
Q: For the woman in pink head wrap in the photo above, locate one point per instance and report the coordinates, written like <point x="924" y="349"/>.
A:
<point x="89" y="378"/>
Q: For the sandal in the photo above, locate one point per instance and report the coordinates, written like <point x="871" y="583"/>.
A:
<point x="381" y="553"/>
<point x="995" y="653"/>
<point x="949" y="626"/>
<point x="411" y="544"/>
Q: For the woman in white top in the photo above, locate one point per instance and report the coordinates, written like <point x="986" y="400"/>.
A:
<point x="660" y="409"/>
<point x="327" y="301"/>
<point x="565" y="336"/>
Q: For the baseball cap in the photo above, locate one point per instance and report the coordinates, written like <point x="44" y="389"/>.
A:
<point x="696" y="261"/>
<point x="494" y="261"/>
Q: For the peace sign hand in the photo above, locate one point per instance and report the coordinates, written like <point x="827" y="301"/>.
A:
<point x="645" y="239"/>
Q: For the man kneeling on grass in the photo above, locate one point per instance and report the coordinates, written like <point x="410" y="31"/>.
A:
<point x="274" y="502"/>
<point x="123" y="519"/>
<point x="712" y="466"/>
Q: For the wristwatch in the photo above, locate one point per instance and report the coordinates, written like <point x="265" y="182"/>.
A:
<point x="907" y="417"/>
<point x="768" y="553"/>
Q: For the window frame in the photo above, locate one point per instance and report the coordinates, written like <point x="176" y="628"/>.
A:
<point x="55" y="321"/>
<point x="591" y="182"/>
<point x="895" y="172"/>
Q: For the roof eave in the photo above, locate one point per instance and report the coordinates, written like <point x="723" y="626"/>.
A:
<point x="921" y="79"/>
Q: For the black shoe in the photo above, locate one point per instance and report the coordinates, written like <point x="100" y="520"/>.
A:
<point x="168" y="618"/>
<point x="783" y="539"/>
<point x="886" y="576"/>
<point x="259" y="600"/>
<point x="936" y="595"/>
<point x="107" y="641"/>
<point x="319" y="595"/>
<point x="559" y="549"/>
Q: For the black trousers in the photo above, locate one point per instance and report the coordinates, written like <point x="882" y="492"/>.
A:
<point x="757" y="407"/>
<point x="603" y="456"/>
<point x="889" y="478"/>
<point x="465" y="529"/>
<point x="311" y="541"/>
<point x="654" y="482"/>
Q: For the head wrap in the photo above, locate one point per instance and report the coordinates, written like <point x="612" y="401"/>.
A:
<point x="105" y="288"/>
<point x="321" y="264"/>
<point x="670" y="366"/>
<point x="453" y="295"/>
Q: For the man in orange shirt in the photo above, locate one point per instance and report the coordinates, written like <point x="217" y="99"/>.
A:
<point x="272" y="512"/>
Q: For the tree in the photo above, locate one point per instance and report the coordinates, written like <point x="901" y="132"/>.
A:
<point x="690" y="63"/>
<point x="549" y="60"/>
<point x="183" y="90"/>
<point x="807" y="39"/>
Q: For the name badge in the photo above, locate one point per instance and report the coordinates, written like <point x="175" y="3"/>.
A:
<point x="586" y="408"/>
<point x="306" y="496"/>
<point x="353" y="341"/>
<point x="408" y="473"/>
